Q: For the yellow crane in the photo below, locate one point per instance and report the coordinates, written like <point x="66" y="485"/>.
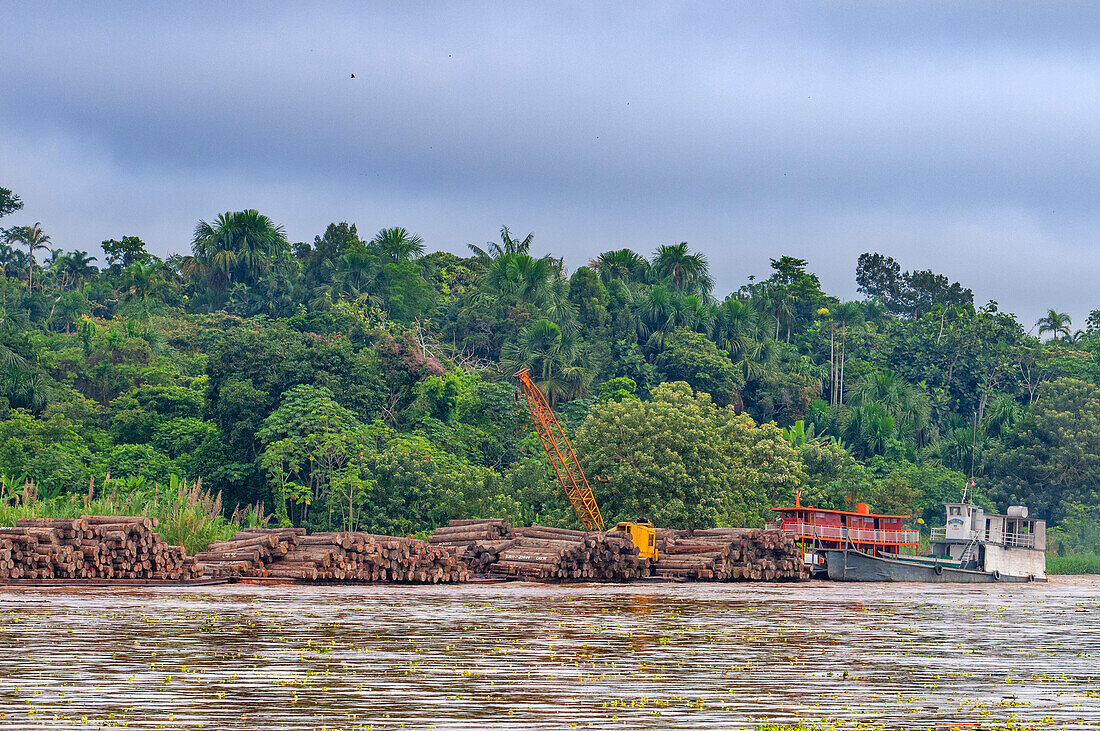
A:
<point x="568" y="469"/>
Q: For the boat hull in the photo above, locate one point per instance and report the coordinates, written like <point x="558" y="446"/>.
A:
<point x="858" y="566"/>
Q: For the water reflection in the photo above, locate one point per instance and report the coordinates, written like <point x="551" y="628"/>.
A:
<point x="655" y="656"/>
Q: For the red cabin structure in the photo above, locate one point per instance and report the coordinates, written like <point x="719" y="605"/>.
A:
<point x="819" y="529"/>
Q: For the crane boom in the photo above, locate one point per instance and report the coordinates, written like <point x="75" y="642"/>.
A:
<point x="560" y="452"/>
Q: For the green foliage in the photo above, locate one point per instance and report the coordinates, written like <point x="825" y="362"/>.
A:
<point x="917" y="489"/>
<point x="121" y="254"/>
<point x="187" y="516"/>
<point x="682" y="461"/>
<point x="1077" y="563"/>
<point x="617" y="389"/>
<point x="9" y="202"/>
<point x="50" y="451"/>
<point x="390" y="367"/>
<point x="1078" y="532"/>
<point x="691" y="357"/>
<point x="1052" y="458"/>
<point x="910" y="294"/>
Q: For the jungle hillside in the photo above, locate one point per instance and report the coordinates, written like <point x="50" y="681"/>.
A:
<point x="364" y="381"/>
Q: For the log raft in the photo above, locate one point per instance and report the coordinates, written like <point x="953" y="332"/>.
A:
<point x="98" y="549"/>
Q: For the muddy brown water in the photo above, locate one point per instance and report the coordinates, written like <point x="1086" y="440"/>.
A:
<point x="701" y="656"/>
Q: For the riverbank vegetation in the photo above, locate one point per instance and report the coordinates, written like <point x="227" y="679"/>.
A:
<point x="365" y="381"/>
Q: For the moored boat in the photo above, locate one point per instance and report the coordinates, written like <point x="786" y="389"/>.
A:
<point x="972" y="547"/>
<point x="860" y="566"/>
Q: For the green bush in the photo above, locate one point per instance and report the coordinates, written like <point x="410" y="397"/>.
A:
<point x="186" y="515"/>
<point x="1075" y="563"/>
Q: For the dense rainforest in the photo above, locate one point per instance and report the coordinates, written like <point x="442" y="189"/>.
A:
<point x="364" y="381"/>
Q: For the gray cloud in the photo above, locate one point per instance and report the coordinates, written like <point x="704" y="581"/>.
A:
<point x="957" y="136"/>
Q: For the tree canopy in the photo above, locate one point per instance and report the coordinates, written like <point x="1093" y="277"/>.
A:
<point x="351" y="382"/>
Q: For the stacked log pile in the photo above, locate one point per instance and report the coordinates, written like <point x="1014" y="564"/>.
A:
<point x="480" y="556"/>
<point x="726" y="554"/>
<point x="477" y="543"/>
<point x="90" y="547"/>
<point x="363" y="557"/>
<point x="464" y="532"/>
<point x="666" y="536"/>
<point x="558" y="553"/>
<point x="248" y="552"/>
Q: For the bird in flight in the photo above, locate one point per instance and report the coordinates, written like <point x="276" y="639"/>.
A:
<point x="353" y="76"/>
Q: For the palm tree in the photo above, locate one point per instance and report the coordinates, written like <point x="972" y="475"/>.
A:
<point x="141" y="283"/>
<point x="238" y="245"/>
<point x="736" y="325"/>
<point x="523" y="283"/>
<point x="9" y="357"/>
<point x="623" y="264"/>
<point x="33" y="238"/>
<point x="689" y="273"/>
<point x="508" y="245"/>
<point x="76" y="267"/>
<point x="25" y="389"/>
<point x="908" y="405"/>
<point x="1054" y="322"/>
<point x="834" y="371"/>
<point x="10" y="259"/>
<point x="355" y="273"/>
<point x="278" y="285"/>
<point x="656" y="316"/>
<point x="398" y="244"/>
<point x="69" y="306"/>
<point x="872" y="428"/>
<point x="554" y="358"/>
<point x="784" y="310"/>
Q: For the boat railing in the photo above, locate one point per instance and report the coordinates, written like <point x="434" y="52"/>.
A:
<point x="1009" y="540"/>
<point x="855" y="535"/>
<point x="1018" y="540"/>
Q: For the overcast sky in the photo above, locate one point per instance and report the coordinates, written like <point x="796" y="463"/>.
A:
<point x="962" y="137"/>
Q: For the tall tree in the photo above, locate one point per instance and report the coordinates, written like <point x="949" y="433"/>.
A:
<point x="398" y="244"/>
<point x="34" y="238"/>
<point x="907" y="294"/>
<point x="1052" y="458"/>
<point x="622" y="264"/>
<point x="689" y="273"/>
<point x="1057" y="323"/>
<point x="76" y="266"/>
<point x="238" y="246"/>
<point x="9" y="202"/>
<point x="508" y="245"/>
<point x="122" y="253"/>
<point x="845" y="314"/>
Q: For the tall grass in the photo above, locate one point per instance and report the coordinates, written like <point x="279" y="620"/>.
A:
<point x="1074" y="563"/>
<point x="187" y="515"/>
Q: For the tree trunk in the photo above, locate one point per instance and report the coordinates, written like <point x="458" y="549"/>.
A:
<point x="832" y="364"/>
<point x="843" y="352"/>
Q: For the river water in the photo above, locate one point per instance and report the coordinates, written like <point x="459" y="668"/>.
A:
<point x="678" y="656"/>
